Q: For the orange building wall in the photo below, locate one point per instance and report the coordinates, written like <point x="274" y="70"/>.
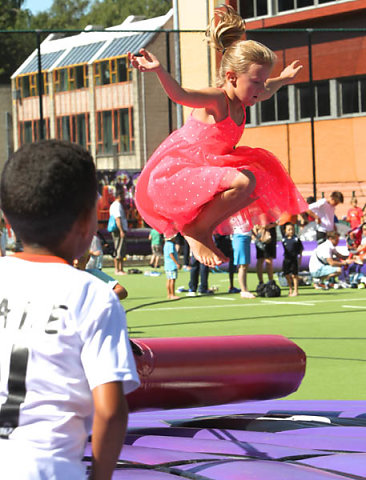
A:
<point x="340" y="148"/>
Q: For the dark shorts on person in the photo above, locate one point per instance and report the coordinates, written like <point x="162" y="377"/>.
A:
<point x="119" y="244"/>
<point x="290" y="266"/>
<point x="157" y="250"/>
<point x="269" y="250"/>
<point x="321" y="237"/>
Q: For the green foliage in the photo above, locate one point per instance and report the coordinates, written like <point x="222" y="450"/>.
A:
<point x="63" y="14"/>
<point x="113" y="12"/>
<point x="14" y="47"/>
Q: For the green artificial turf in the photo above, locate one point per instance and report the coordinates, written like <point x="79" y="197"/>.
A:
<point x="330" y="326"/>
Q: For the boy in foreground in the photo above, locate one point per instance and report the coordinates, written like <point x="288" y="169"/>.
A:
<point x="66" y="363"/>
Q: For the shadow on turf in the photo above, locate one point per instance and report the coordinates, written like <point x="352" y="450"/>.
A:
<point x="240" y="319"/>
<point x="336" y="358"/>
<point x="158" y="302"/>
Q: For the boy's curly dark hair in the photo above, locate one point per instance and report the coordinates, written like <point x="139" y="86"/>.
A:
<point x="45" y="187"/>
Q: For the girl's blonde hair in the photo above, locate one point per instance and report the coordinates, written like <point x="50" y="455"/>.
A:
<point x="238" y="55"/>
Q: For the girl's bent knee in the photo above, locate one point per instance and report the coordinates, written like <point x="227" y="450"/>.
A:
<point x="249" y="179"/>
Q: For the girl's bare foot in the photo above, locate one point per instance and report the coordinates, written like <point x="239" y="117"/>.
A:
<point x="293" y="294"/>
<point x="204" y="249"/>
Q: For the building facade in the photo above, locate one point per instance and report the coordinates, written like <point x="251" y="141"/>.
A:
<point x="335" y="33"/>
<point x="315" y="126"/>
<point x="91" y="96"/>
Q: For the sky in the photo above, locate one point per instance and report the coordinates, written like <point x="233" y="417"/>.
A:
<point x="36" y="6"/>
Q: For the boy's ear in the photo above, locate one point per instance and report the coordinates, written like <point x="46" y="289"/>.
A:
<point x="87" y="222"/>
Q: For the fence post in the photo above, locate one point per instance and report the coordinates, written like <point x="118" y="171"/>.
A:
<point x="312" y="107"/>
<point x="40" y="85"/>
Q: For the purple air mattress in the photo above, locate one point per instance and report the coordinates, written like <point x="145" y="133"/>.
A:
<point x="266" y="440"/>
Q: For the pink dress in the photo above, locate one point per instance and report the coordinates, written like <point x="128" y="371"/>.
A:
<point x="200" y="160"/>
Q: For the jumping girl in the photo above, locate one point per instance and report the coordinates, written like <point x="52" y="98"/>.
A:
<point x="197" y="181"/>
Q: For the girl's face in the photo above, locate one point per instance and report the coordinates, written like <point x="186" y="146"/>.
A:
<point x="250" y="85"/>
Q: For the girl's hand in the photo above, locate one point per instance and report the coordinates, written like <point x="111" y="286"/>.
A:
<point x="290" y="72"/>
<point x="147" y="62"/>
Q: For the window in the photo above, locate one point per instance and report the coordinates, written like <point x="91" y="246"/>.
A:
<point x="284" y="5"/>
<point x="321" y="97"/>
<point x="253" y="8"/>
<point x="28" y="85"/>
<point x="260" y="8"/>
<point x="114" y="70"/>
<point x="247" y="116"/>
<point x="74" y="128"/>
<point x="115" y="131"/>
<point x="353" y="95"/>
<point x="276" y="109"/>
<point x="71" y="78"/>
<point x="30" y="131"/>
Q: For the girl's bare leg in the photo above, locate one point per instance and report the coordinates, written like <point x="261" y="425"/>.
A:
<point x="269" y="268"/>
<point x="199" y="233"/>
<point x="290" y="285"/>
<point x="296" y="285"/>
<point x="259" y="269"/>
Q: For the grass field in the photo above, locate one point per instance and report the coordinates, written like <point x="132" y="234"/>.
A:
<point x="330" y="326"/>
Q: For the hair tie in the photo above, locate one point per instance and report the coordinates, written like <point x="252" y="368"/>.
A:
<point x="223" y="50"/>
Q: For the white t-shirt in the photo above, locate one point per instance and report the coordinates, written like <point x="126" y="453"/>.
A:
<point x="323" y="252"/>
<point x="62" y="333"/>
<point x="325" y="212"/>
<point x="116" y="210"/>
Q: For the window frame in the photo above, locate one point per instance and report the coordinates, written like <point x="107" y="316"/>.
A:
<point x="116" y="135"/>
<point x="112" y="66"/>
<point x="73" y="127"/>
<point x="35" y="130"/>
<point x="32" y="84"/>
<point x="70" y="74"/>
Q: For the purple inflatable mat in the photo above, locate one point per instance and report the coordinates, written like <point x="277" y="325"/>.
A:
<point x="267" y="440"/>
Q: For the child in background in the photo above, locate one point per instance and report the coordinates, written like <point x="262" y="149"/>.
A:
<point x="354" y="214"/>
<point x="198" y="180"/>
<point x="66" y="361"/>
<point x="171" y="265"/>
<point x="95" y="254"/>
<point x="83" y="264"/>
<point x="156" y="247"/>
<point x="241" y="246"/>
<point x="293" y="248"/>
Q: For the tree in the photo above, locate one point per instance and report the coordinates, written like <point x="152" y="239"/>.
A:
<point x="14" y="47"/>
<point x="63" y="14"/>
<point x="113" y="12"/>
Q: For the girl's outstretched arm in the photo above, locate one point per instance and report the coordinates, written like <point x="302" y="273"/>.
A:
<point x="210" y="98"/>
<point x="286" y="77"/>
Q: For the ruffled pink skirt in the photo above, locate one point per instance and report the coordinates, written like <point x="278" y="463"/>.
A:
<point x="177" y="183"/>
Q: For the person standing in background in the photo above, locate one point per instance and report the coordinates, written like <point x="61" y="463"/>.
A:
<point x="171" y="265"/>
<point x="116" y="210"/>
<point x="156" y="248"/>
<point x="323" y="211"/>
<point x="293" y="249"/>
<point x="241" y="247"/>
<point x="266" y="252"/>
<point x="354" y="214"/>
